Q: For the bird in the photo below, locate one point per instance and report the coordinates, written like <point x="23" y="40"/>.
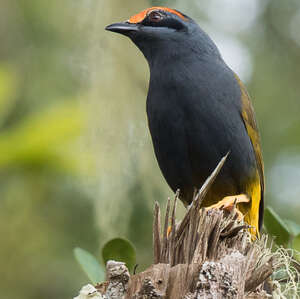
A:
<point x="198" y="110"/>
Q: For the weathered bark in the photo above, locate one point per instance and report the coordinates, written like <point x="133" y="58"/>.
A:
<point x="209" y="254"/>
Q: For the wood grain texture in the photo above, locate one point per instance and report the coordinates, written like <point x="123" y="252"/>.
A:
<point x="209" y="254"/>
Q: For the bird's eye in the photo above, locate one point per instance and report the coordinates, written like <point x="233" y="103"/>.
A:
<point x="155" y="16"/>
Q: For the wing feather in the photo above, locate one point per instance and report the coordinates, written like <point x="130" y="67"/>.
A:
<point x="248" y="117"/>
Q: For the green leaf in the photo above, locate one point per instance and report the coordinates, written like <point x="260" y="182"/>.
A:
<point x="294" y="227"/>
<point x="8" y="87"/>
<point x="120" y="250"/>
<point x="89" y="265"/>
<point x="42" y="138"/>
<point x="296" y="246"/>
<point x="276" y="227"/>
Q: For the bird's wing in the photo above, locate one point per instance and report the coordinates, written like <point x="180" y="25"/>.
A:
<point x="248" y="117"/>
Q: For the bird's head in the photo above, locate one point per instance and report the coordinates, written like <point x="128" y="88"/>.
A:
<point x="159" y="30"/>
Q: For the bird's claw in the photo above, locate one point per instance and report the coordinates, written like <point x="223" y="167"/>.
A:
<point x="229" y="203"/>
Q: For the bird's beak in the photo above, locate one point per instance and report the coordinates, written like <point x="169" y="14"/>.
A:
<point x="123" y="28"/>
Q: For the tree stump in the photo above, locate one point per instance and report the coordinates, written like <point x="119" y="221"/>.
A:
<point x="209" y="254"/>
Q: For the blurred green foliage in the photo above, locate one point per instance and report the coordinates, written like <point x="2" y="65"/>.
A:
<point x="121" y="250"/>
<point x="276" y="227"/>
<point x="117" y="249"/>
<point x="285" y="233"/>
<point x="90" y="265"/>
<point x="76" y="161"/>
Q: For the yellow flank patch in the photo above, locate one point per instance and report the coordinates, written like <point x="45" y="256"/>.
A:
<point x="252" y="213"/>
<point x="143" y="14"/>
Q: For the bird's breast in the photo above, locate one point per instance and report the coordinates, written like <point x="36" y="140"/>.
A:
<point x="194" y="121"/>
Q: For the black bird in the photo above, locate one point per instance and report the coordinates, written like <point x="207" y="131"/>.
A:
<point x="198" y="110"/>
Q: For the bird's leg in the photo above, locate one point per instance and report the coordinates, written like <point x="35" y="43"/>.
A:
<point x="228" y="203"/>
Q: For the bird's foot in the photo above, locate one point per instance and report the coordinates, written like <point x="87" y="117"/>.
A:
<point x="229" y="203"/>
<point x="169" y="230"/>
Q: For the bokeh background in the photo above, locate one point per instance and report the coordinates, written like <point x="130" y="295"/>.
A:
<point x="76" y="161"/>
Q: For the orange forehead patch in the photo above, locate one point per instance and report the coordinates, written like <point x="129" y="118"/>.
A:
<point x="142" y="15"/>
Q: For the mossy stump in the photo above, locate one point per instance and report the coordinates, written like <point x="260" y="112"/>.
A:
<point x="209" y="254"/>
